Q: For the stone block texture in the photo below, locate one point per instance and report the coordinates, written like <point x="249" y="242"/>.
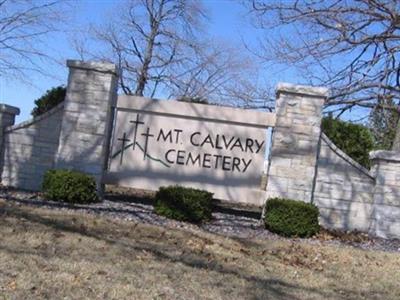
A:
<point x="29" y="149"/>
<point x="87" y="117"/>
<point x="343" y="191"/>
<point x="385" y="216"/>
<point x="295" y="141"/>
<point x="7" y="118"/>
<point x="304" y="164"/>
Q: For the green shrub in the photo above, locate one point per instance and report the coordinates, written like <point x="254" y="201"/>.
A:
<point x="69" y="186"/>
<point x="291" y="218"/>
<point x="49" y="100"/>
<point x="353" y="139"/>
<point x="184" y="204"/>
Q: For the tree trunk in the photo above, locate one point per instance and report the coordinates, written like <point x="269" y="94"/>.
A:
<point x="155" y="21"/>
<point x="144" y="72"/>
<point x="396" y="141"/>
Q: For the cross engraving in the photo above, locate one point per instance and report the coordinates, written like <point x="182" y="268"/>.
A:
<point x="123" y="140"/>
<point x="146" y="135"/>
<point x="137" y="123"/>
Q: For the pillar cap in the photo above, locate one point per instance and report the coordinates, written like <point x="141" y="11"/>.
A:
<point x="385" y="155"/>
<point x="103" y="67"/>
<point x="8" y="109"/>
<point x="306" y="90"/>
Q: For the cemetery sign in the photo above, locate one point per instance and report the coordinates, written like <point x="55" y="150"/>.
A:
<point x="158" y="143"/>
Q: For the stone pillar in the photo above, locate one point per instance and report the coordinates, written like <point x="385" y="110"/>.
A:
<point x="295" y="141"/>
<point x="385" y="218"/>
<point x="7" y="118"/>
<point x="87" y="117"/>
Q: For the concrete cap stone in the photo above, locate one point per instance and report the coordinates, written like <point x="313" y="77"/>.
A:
<point x="8" y="109"/>
<point x="103" y="67"/>
<point x="284" y="87"/>
<point x="385" y="155"/>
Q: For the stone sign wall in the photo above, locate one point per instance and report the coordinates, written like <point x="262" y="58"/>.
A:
<point x="157" y="143"/>
<point x="205" y="146"/>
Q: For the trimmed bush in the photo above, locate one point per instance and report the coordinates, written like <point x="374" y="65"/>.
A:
<point x="291" y="218"/>
<point x="69" y="186"/>
<point x="184" y="204"/>
<point x="49" y="100"/>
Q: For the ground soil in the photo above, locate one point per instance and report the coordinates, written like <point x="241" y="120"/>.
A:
<point x="48" y="253"/>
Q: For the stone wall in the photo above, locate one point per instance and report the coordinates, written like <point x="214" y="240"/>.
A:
<point x="304" y="164"/>
<point x="74" y="135"/>
<point x="7" y="118"/>
<point x="87" y="118"/>
<point x="385" y="214"/>
<point x="295" y="141"/>
<point x="343" y="190"/>
<point x="29" y="149"/>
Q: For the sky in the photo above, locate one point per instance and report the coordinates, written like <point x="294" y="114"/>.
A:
<point x="226" y="23"/>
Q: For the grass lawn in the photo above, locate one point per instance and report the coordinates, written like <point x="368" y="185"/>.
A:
<point x="53" y="254"/>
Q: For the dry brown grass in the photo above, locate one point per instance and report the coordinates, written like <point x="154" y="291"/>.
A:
<point x="49" y="254"/>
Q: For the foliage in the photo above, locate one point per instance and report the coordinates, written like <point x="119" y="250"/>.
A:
<point x="354" y="139"/>
<point x="184" y="204"/>
<point x="291" y="218"/>
<point x="383" y="124"/>
<point x="69" y="186"/>
<point x="49" y="100"/>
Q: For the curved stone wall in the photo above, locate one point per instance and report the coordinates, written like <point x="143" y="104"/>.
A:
<point x="343" y="189"/>
<point x="29" y="149"/>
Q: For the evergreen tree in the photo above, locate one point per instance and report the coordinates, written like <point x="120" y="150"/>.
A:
<point x="49" y="100"/>
<point x="355" y="140"/>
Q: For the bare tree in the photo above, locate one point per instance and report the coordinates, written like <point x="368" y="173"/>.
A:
<point x="221" y="74"/>
<point x="162" y="49"/>
<point x="148" y="39"/>
<point x="382" y="123"/>
<point x="351" y="46"/>
<point x="24" y="24"/>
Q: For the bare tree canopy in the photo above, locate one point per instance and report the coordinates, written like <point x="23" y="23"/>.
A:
<point x="351" y="46"/>
<point x="162" y="49"/>
<point x="149" y="38"/>
<point x="23" y="26"/>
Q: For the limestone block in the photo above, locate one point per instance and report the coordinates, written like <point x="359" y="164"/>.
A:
<point x="299" y="181"/>
<point x="296" y="140"/>
<point x="286" y="122"/>
<point x="84" y="137"/>
<point x="283" y="161"/>
<point x="302" y="129"/>
<point x="277" y="184"/>
<point x="386" y="222"/>
<point x="344" y="220"/>
<point x="289" y="172"/>
<point x="18" y="138"/>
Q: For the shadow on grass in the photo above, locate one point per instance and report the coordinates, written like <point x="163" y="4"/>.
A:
<point x="218" y="206"/>
<point x="166" y="251"/>
<point x="139" y="207"/>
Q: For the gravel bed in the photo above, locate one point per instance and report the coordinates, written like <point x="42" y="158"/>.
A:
<point x="226" y="222"/>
